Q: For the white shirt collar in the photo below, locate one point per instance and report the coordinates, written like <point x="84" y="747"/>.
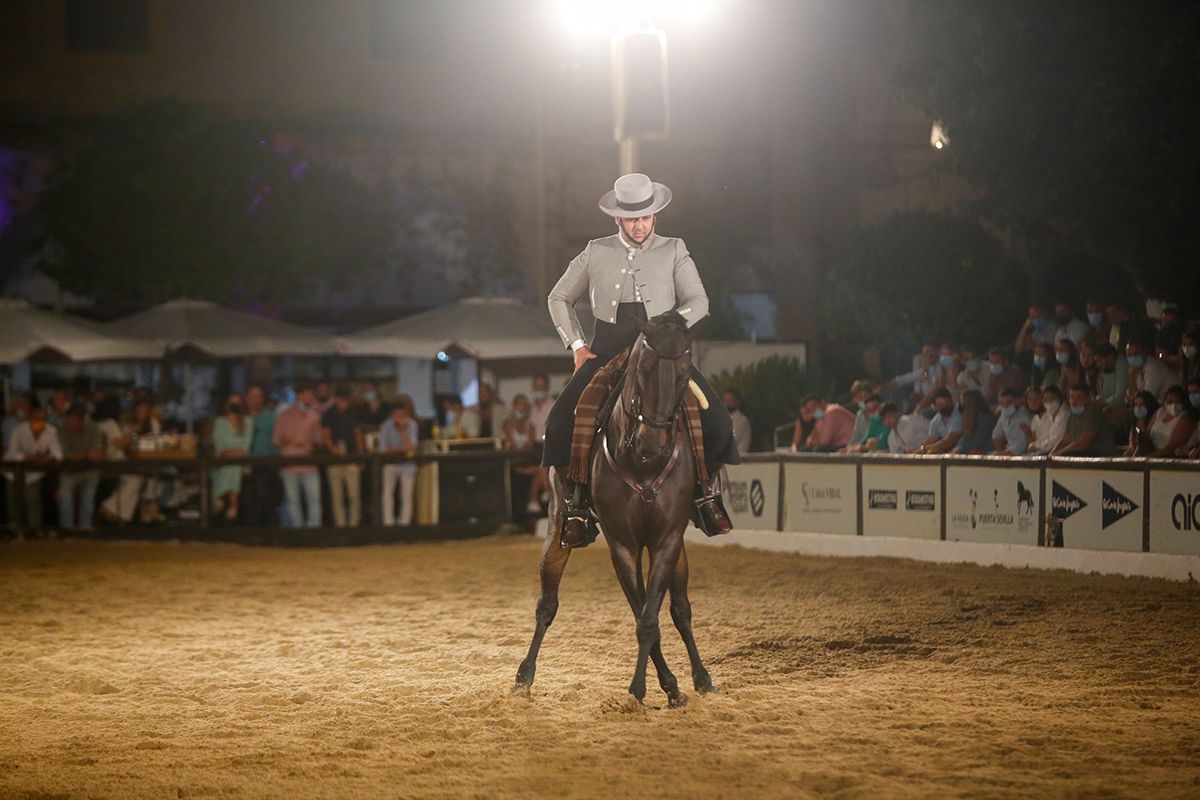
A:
<point x="628" y="246"/>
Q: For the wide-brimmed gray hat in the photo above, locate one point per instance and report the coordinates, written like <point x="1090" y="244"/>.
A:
<point x="635" y="195"/>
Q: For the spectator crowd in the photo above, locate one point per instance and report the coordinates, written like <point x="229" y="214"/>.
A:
<point x="93" y="426"/>
<point x="1108" y="384"/>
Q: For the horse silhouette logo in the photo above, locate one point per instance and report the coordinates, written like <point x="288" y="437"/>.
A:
<point x="1024" y="498"/>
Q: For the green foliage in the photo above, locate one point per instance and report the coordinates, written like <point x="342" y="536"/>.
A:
<point x="771" y="390"/>
<point x="921" y="276"/>
<point x="167" y="201"/>
<point x="1076" y="120"/>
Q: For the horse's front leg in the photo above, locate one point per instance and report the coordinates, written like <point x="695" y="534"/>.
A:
<point x="681" y="614"/>
<point x="662" y="567"/>
<point x="554" y="563"/>
<point x="628" y="566"/>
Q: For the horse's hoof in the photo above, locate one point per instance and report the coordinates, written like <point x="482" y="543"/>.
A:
<point x="521" y="689"/>
<point x="704" y="685"/>
<point x="639" y="696"/>
<point x="678" y="700"/>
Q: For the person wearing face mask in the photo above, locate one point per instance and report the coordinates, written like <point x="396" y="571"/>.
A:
<point x="978" y="425"/>
<point x="876" y="429"/>
<point x="1172" y="429"/>
<point x="1142" y="409"/>
<point x="1069" y="326"/>
<point x="742" y="430"/>
<point x="232" y="434"/>
<point x="1146" y="373"/>
<point x="1036" y="329"/>
<point x="298" y="433"/>
<point x="1098" y="321"/>
<point x="1070" y="370"/>
<point x="34" y="441"/>
<point x="831" y="425"/>
<point x="859" y="390"/>
<point x="540" y="403"/>
<point x="1012" y="432"/>
<point x="1002" y="374"/>
<point x="1088" y="432"/>
<point x="1049" y="427"/>
<point x="1112" y="375"/>
<point x="461" y="423"/>
<point x="946" y="427"/>
<point x="1045" y="366"/>
<point x="518" y="434"/>
<point x="973" y="375"/>
<point x="1189" y="356"/>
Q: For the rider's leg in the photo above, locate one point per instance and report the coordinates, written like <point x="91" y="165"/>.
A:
<point x="719" y="448"/>
<point x="576" y="526"/>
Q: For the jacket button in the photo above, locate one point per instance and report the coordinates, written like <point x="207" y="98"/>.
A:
<point x="614" y="302"/>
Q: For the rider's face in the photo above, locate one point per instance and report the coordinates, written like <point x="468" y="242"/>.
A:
<point x="637" y="229"/>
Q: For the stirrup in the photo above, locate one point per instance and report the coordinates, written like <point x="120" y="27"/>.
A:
<point x="710" y="515"/>
<point x="579" y="528"/>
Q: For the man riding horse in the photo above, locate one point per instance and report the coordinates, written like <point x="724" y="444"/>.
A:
<point x="628" y="278"/>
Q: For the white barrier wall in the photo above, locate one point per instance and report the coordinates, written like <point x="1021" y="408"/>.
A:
<point x="1175" y="512"/>
<point x="902" y="500"/>
<point x="752" y="495"/>
<point x="1101" y="509"/>
<point x="820" y="498"/>
<point x="992" y="504"/>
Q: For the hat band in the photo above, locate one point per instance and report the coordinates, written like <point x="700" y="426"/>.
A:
<point x="638" y="206"/>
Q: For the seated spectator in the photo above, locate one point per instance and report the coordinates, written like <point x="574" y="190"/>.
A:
<point x="1089" y="432"/>
<point x="1169" y="337"/>
<point x="127" y="500"/>
<point x="875" y="427"/>
<point x="1049" y="427"/>
<point x="972" y="374"/>
<point x="516" y="430"/>
<point x="946" y="427"/>
<point x="81" y="441"/>
<point x="1146" y="373"/>
<point x="1070" y="370"/>
<point x="1193" y="388"/>
<point x="1087" y="360"/>
<point x="893" y="437"/>
<point x="541" y="402"/>
<point x="1098" y="321"/>
<point x="1142" y="408"/>
<point x="298" y="433"/>
<point x="950" y="367"/>
<point x="1033" y="403"/>
<point x="1172" y="429"/>
<point x="1112" y="375"/>
<point x="1070" y="327"/>
<point x="34" y="441"/>
<point x="742" y="431"/>
<point x="977" y="425"/>
<point x="232" y="435"/>
<point x="1013" y="431"/>
<point x="399" y="434"/>
<point x="859" y="390"/>
<point x="1045" y="366"/>
<point x="461" y="423"/>
<point x="1036" y="329"/>
<point x="1004" y="374"/>
<point x="1189" y="356"/>
<point x="490" y="411"/>
<point x="832" y="428"/>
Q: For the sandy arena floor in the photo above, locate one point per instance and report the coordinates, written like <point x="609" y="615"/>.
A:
<point x="140" y="670"/>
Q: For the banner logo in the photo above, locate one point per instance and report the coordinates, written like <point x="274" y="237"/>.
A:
<point x="1185" y="512"/>
<point x="758" y="498"/>
<point x="1064" y="502"/>
<point x="1115" y="506"/>
<point x="882" y="498"/>
<point x="915" y="500"/>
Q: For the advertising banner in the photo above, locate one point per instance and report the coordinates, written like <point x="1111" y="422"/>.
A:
<point x="901" y="501"/>
<point x="1174" y="512"/>
<point x="1100" y="509"/>
<point x="752" y="496"/>
<point x="820" y="498"/>
<point x="991" y="504"/>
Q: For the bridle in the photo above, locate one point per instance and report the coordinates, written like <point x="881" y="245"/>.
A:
<point x="636" y="416"/>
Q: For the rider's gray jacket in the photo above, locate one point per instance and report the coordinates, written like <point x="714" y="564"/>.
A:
<point x="665" y="278"/>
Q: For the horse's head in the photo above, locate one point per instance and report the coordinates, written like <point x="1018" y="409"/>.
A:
<point x="661" y="366"/>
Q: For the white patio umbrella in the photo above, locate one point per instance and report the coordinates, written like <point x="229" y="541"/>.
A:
<point x="489" y="328"/>
<point x="218" y="332"/>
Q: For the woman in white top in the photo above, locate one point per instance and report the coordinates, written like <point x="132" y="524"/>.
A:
<point x="122" y="504"/>
<point x="1051" y="424"/>
<point x="1173" y="427"/>
<point x="520" y="434"/>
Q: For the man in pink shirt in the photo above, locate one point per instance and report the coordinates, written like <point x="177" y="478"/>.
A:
<point x="834" y="424"/>
<point x="298" y="433"/>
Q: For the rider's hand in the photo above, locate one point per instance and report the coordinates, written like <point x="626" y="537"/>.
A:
<point x="582" y="355"/>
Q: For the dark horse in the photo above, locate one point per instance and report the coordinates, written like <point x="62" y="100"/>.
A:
<point x="643" y="477"/>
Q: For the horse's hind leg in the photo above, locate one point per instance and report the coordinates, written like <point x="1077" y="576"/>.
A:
<point x="681" y="615"/>
<point x="554" y="562"/>
<point x="628" y="567"/>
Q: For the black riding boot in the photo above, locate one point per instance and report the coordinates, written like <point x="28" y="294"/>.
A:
<point x="709" y="514"/>
<point x="579" y="527"/>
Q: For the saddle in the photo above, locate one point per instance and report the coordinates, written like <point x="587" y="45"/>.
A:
<point x="595" y="407"/>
